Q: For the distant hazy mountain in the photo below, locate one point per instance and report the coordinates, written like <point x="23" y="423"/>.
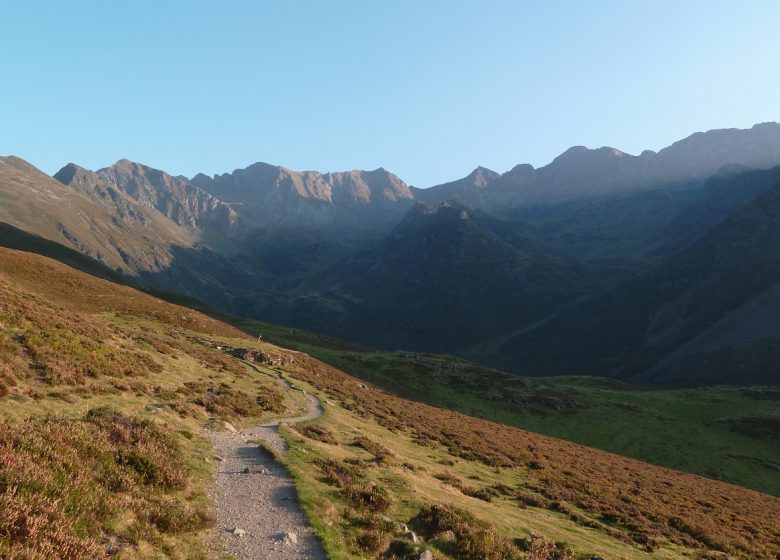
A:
<point x="580" y="172"/>
<point x="468" y="191"/>
<point x="274" y="195"/>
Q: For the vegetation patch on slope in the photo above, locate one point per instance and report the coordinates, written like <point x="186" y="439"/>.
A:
<point x="68" y="485"/>
<point x="381" y="461"/>
<point x="651" y="508"/>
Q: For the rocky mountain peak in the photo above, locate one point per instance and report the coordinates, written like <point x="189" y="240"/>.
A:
<point x="279" y="196"/>
<point x="127" y="182"/>
<point x="71" y="173"/>
<point x="482" y="177"/>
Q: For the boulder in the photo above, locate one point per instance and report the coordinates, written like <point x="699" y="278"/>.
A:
<point x="255" y="470"/>
<point x="426" y="555"/>
<point x="447" y="535"/>
<point x="237" y="532"/>
<point x="217" y="425"/>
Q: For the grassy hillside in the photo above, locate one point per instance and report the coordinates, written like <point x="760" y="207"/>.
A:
<point x="14" y="238"/>
<point x="718" y="432"/>
<point x="377" y="460"/>
<point x="103" y="395"/>
<point x="106" y="390"/>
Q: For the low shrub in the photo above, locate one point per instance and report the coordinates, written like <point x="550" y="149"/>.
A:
<point x="174" y="516"/>
<point x="361" y="494"/>
<point x="484" y="494"/>
<point x="381" y="453"/>
<point x="338" y="473"/>
<point x="525" y="500"/>
<point x="372" y="541"/>
<point x="369" y="495"/>
<point x="318" y="433"/>
<point x="474" y="540"/>
<point x="227" y="403"/>
<point x="538" y="547"/>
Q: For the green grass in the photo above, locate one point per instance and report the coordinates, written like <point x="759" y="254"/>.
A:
<point x="692" y="430"/>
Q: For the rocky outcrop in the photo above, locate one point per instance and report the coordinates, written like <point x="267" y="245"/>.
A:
<point x="175" y="197"/>
<point x="275" y="195"/>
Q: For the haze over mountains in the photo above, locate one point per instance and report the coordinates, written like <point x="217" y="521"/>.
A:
<point x="656" y="266"/>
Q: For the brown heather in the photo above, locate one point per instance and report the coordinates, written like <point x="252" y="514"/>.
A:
<point x="63" y="481"/>
<point x="226" y="403"/>
<point x="475" y="540"/>
<point x="313" y="431"/>
<point x="64" y="347"/>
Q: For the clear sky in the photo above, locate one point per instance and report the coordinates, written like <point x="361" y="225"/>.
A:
<point x="427" y="89"/>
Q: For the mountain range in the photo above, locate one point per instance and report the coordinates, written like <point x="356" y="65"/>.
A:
<point x="660" y="267"/>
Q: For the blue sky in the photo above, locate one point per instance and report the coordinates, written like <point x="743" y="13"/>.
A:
<point x="427" y="89"/>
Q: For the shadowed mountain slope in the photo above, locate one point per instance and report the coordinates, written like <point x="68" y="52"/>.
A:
<point x="709" y="313"/>
<point x="445" y="277"/>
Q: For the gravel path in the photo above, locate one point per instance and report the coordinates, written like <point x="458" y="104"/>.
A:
<point x="255" y="494"/>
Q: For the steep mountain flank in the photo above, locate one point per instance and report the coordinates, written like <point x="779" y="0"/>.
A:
<point x="110" y="229"/>
<point x="188" y="206"/>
